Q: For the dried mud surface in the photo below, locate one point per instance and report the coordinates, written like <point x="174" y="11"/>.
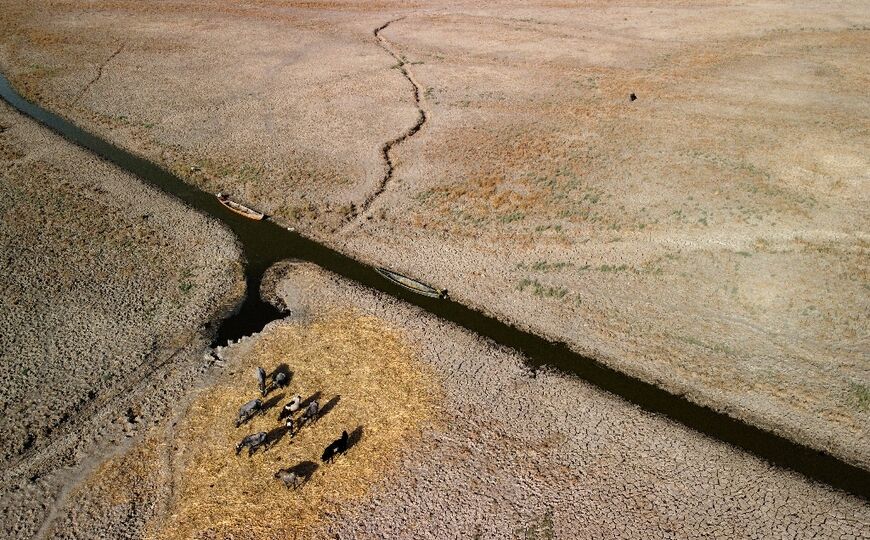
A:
<point x="547" y="456"/>
<point x="298" y="131"/>
<point x="510" y="453"/>
<point x="710" y="237"/>
<point x="109" y="289"/>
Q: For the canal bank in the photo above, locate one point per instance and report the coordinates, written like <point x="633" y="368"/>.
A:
<point x="265" y="243"/>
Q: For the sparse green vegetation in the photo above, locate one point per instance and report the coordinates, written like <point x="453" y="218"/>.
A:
<point x="715" y="347"/>
<point x="423" y="196"/>
<point x="542" y="528"/>
<point x="249" y="172"/>
<point x="46" y="70"/>
<point x="544" y="266"/>
<point x="513" y="216"/>
<point x="185" y="281"/>
<point x="548" y="227"/>
<point x="544" y="291"/>
<point x="860" y="395"/>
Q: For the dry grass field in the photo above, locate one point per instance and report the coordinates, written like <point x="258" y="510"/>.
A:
<point x="369" y="385"/>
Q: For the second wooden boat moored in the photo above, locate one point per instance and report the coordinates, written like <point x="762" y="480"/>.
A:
<point x="240" y="208"/>
<point x="411" y="284"/>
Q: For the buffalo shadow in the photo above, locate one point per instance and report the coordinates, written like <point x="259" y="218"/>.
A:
<point x="355" y="437"/>
<point x="271" y="402"/>
<point x="329" y="405"/>
<point x="274" y="436"/>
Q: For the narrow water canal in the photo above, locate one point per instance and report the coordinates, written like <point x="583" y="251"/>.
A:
<point x="265" y="243"/>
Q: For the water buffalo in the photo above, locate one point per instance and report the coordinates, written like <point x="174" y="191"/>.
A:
<point x="248" y="410"/>
<point x="338" y="446"/>
<point x="311" y="411"/>
<point x="252" y="442"/>
<point x="279" y="380"/>
<point x="291" y="407"/>
<point x="290" y="478"/>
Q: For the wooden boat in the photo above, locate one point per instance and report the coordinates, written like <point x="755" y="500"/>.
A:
<point x="240" y="208"/>
<point x="411" y="284"/>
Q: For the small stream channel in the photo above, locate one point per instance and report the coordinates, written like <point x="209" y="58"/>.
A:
<point x="265" y="243"/>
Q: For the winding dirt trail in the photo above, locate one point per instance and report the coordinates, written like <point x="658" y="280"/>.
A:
<point x="387" y="147"/>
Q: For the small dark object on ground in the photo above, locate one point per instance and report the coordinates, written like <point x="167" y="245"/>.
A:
<point x="632" y="97"/>
<point x="338" y="446"/>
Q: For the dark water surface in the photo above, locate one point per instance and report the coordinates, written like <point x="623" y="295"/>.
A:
<point x="265" y="243"/>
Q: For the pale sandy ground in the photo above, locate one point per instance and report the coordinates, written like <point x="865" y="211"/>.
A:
<point x="509" y="454"/>
<point x="106" y="293"/>
<point x="710" y="236"/>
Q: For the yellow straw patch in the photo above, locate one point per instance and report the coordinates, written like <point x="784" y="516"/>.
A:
<point x="381" y="391"/>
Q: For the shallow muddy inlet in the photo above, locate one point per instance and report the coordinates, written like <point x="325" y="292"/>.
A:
<point x="265" y="243"/>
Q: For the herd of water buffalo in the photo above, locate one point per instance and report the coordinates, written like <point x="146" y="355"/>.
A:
<point x="311" y="411"/>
